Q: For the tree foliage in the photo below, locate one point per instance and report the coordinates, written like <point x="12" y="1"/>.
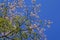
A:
<point x="21" y="25"/>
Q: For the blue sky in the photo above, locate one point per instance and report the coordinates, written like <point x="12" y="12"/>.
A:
<point x="50" y="9"/>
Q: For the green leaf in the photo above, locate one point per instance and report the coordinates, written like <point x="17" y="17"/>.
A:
<point x="16" y="38"/>
<point x="24" y="35"/>
<point x="27" y="23"/>
<point x="5" y="25"/>
<point x="29" y="30"/>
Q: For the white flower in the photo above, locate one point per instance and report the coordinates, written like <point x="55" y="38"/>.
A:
<point x="35" y="25"/>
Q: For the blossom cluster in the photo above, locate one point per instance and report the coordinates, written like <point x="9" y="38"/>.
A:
<point x="31" y="12"/>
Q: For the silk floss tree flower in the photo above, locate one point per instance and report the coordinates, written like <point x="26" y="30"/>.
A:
<point x="22" y="22"/>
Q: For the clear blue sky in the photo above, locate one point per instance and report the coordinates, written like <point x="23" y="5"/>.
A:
<point x="50" y="9"/>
